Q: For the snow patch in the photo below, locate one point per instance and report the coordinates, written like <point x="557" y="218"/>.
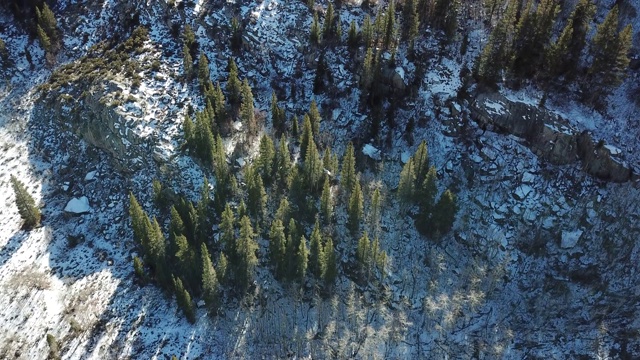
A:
<point x="570" y="238"/>
<point x="78" y="206"/>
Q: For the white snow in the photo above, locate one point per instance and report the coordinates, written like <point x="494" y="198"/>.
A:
<point x="495" y="107"/>
<point x="613" y="150"/>
<point x="91" y="175"/>
<point x="372" y="152"/>
<point x="78" y="206"/>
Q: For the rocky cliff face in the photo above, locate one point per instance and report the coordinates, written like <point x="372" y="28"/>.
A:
<point x="550" y="136"/>
<point x="92" y="112"/>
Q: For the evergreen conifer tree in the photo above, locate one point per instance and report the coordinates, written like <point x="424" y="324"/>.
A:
<point x="356" y="205"/>
<point x="314" y="36"/>
<point x="246" y="250"/>
<point x="203" y="71"/>
<point x="353" y="38"/>
<point x="277" y="247"/>
<point x="27" y="208"/>
<point x="326" y="203"/>
<point x="301" y="260"/>
<point x="228" y="237"/>
<point x="406" y="183"/>
<point x="314" y="116"/>
<point x="331" y="270"/>
<point x="307" y="136"/>
<point x="187" y="62"/>
<point x="316" y="255"/>
<point x="348" y="175"/>
<point x="184" y="300"/>
<point x="247" y="112"/>
<point x="210" y="285"/>
<point x="266" y="159"/>
<point x="444" y="213"/>
<point x="234" y="87"/>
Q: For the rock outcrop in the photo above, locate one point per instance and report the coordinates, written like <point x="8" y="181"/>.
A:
<point x="549" y="136"/>
<point x="91" y="112"/>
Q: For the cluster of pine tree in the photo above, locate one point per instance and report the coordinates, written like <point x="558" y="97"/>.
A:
<point x="46" y="27"/>
<point x="521" y="47"/>
<point x="418" y="186"/>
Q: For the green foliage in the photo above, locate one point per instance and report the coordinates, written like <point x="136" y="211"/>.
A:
<point x="203" y="71"/>
<point x="314" y="36"/>
<point x="187" y="62"/>
<point x="233" y="87"/>
<point x="228" y="236"/>
<point x="54" y="348"/>
<point x="184" y="300"/>
<point x="246" y="250"/>
<point x="406" y="184"/>
<point x="210" y="285"/>
<point x="256" y="194"/>
<point x="411" y="19"/>
<point x="355" y="209"/>
<point x="316" y="255"/>
<point x="331" y="267"/>
<point x="266" y="159"/>
<point x="326" y="202"/>
<point x="301" y="260"/>
<point x="247" y="112"/>
<point x="27" y="208"/>
<point x="314" y="116"/>
<point x="277" y="247"/>
<point x="354" y="38"/>
<point x="390" y="25"/>
<point x="444" y="213"/>
<point x="370" y="256"/>
<point x="278" y="115"/>
<point x="496" y="54"/>
<point x="426" y="192"/>
<point x="294" y="127"/>
<point x="283" y="164"/>
<point x="367" y="31"/>
<point x="312" y="167"/>
<point x="45" y="41"/>
<point x="138" y="267"/>
<point x="307" y="136"/>
<point x="610" y="52"/>
<point x="222" y="268"/>
<point x="348" y="175"/>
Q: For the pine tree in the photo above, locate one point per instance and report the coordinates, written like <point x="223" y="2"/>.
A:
<point x="210" y="285"/>
<point x="203" y="225"/>
<point x="556" y="53"/>
<point x="155" y="249"/>
<point x="184" y="300"/>
<point x="138" y="267"/>
<point x="45" y="41"/>
<point x="203" y="71"/>
<point x="610" y="51"/>
<point x="246" y="249"/>
<point x="221" y="268"/>
<point x="366" y="78"/>
<point x="266" y="159"/>
<point x="578" y="26"/>
<point x="314" y="116"/>
<point x="234" y="87"/>
<point x="283" y="163"/>
<point x="185" y="260"/>
<point x="330" y="162"/>
<point x="331" y="267"/>
<point x="278" y="116"/>
<point x="353" y="39"/>
<point x="376" y="207"/>
<point x="277" y="247"/>
<point x="363" y="250"/>
<point x="301" y="260"/>
<point x="247" y="112"/>
<point x="356" y="208"/>
<point x="256" y="194"/>
<point x="187" y="62"/>
<point x="348" y="175"/>
<point x="497" y="52"/>
<point x="406" y="184"/>
<point x="189" y="37"/>
<point x="47" y="22"/>
<point x="421" y="162"/>
<point x="316" y="256"/>
<point x="284" y="211"/>
<point x="367" y="31"/>
<point x="314" y="36"/>
<point x="312" y="167"/>
<point x="411" y="21"/>
<point x="426" y="192"/>
<point x="533" y="32"/>
<point x="138" y="217"/>
<point x="444" y="213"/>
<point x="328" y="28"/>
<point x="326" y="202"/>
<point x="307" y="136"/>
<point x="27" y="208"/>
<point x="228" y="237"/>
<point x="294" y="127"/>
<point x="390" y="25"/>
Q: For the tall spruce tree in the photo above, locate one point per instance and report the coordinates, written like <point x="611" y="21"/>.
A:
<point x="406" y="184"/>
<point x="307" y="136"/>
<point x="444" y="213"/>
<point x="234" y="87"/>
<point x="27" y="208"/>
<point x="247" y="112"/>
<point x="246" y="250"/>
<point x="348" y="175"/>
<point x="210" y="285"/>
<point x="301" y="260"/>
<point x="277" y="247"/>
<point x="356" y="208"/>
<point x="316" y="255"/>
<point x="331" y="267"/>
<point x="326" y="202"/>
<point x="184" y="300"/>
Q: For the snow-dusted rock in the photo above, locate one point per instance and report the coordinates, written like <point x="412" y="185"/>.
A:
<point x="91" y="175"/>
<point x="78" y="206"/>
<point x="372" y="152"/>
<point x="522" y="192"/>
<point x="570" y="238"/>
